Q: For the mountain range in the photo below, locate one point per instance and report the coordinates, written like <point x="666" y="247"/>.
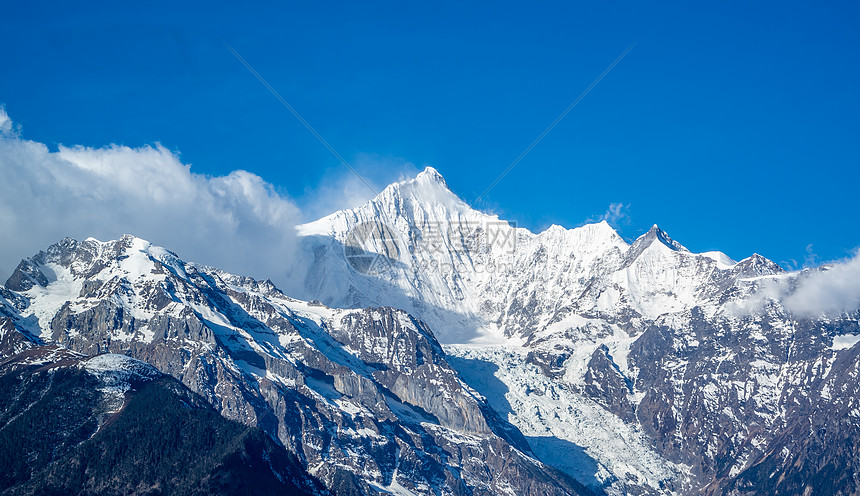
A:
<point x="435" y="349"/>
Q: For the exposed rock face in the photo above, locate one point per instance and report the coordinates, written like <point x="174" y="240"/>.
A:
<point x="364" y="398"/>
<point x="606" y="385"/>
<point x="709" y="377"/>
<point x="724" y="394"/>
<point x="110" y="424"/>
<point x="13" y="338"/>
<point x="817" y="453"/>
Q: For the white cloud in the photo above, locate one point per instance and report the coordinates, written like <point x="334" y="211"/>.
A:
<point x="829" y="291"/>
<point x="616" y="215"/>
<point x="237" y="222"/>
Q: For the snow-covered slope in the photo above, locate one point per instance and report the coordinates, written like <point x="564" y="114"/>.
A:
<point x="659" y="338"/>
<point x="474" y="277"/>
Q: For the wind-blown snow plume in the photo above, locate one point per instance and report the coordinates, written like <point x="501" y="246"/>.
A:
<point x="5" y="122"/>
<point x="339" y="190"/>
<point x="238" y="221"/>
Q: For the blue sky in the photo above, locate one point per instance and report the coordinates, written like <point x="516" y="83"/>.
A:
<point x="732" y="125"/>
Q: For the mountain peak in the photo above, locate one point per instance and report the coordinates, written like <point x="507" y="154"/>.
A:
<point x="648" y="239"/>
<point x="656" y="233"/>
<point x="427" y="180"/>
<point x="757" y="265"/>
<point x="430" y="174"/>
<point x="427" y="188"/>
<point x="425" y="196"/>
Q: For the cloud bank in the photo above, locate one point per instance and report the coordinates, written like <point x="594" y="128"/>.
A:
<point x="830" y="290"/>
<point x="237" y="222"/>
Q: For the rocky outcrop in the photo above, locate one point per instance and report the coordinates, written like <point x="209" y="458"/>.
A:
<point x="109" y="424"/>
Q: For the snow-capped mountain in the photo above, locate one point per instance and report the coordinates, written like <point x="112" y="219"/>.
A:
<point x="568" y="361"/>
<point x="429" y="252"/>
<point x="635" y="367"/>
<point x="364" y="398"/>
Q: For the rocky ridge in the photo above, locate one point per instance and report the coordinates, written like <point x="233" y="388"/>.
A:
<point x="365" y="399"/>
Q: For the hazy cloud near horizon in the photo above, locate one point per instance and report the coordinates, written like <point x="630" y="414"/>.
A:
<point x="237" y="222"/>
